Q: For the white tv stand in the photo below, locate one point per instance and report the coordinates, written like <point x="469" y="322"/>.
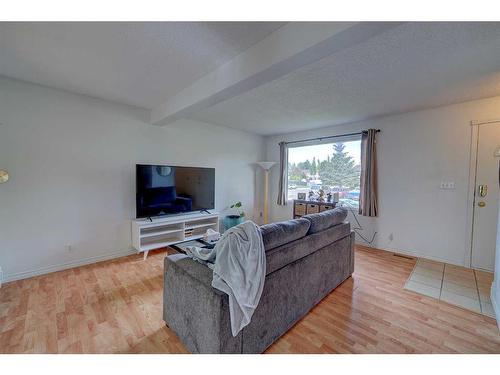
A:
<point x="169" y="230"/>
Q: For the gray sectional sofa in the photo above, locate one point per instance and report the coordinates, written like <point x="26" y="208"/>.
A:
<point x="306" y="259"/>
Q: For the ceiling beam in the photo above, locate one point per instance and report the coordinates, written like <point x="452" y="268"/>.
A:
<point x="283" y="51"/>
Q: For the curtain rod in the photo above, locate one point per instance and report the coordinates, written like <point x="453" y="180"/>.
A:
<point x="330" y="136"/>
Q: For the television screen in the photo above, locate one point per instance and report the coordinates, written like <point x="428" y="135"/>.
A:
<point x="166" y="189"/>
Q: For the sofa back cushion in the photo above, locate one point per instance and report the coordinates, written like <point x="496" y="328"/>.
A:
<point x="283" y="255"/>
<point x="325" y="219"/>
<point x="277" y="234"/>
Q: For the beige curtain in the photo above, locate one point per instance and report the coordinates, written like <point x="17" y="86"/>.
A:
<point x="368" y="205"/>
<point x="282" y="189"/>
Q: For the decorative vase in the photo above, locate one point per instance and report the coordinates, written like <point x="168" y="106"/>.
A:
<point x="232" y="220"/>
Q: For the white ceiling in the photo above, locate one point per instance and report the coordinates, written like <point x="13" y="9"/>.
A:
<point x="141" y="64"/>
<point x="409" y="67"/>
<point x="413" y="66"/>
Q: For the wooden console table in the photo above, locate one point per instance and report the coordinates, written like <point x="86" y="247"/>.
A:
<point x="305" y="207"/>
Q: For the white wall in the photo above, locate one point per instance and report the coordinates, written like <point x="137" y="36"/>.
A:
<point x="416" y="151"/>
<point x="495" y="288"/>
<point x="71" y="160"/>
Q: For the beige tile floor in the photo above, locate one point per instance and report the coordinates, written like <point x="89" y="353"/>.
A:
<point x="456" y="285"/>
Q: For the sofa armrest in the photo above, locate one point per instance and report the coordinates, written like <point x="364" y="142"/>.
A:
<point x="198" y="313"/>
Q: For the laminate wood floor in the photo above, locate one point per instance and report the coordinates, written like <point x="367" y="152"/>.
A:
<point x="116" y="307"/>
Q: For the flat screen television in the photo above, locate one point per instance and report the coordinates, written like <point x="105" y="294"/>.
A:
<point x="167" y="189"/>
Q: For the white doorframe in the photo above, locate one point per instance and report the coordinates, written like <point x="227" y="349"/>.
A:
<point x="471" y="196"/>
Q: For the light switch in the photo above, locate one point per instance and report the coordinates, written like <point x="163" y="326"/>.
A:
<point x="447" y="185"/>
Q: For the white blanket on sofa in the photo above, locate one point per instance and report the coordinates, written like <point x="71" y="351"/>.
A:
<point x="239" y="270"/>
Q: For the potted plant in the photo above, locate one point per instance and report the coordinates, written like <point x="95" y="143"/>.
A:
<point x="234" y="219"/>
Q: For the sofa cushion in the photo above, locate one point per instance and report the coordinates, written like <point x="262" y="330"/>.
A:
<point x="277" y="234"/>
<point x="281" y="256"/>
<point x="325" y="219"/>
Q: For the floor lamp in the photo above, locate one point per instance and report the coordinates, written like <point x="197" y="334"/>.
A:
<point x="266" y="165"/>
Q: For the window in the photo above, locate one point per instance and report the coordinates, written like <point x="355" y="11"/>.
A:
<point x="332" y="167"/>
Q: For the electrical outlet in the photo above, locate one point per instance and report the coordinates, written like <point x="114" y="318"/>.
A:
<point x="69" y="248"/>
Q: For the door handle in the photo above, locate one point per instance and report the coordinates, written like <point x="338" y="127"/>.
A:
<point x="481" y="204"/>
<point x="483" y="190"/>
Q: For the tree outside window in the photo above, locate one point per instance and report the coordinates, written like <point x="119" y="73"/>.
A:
<point x="332" y="167"/>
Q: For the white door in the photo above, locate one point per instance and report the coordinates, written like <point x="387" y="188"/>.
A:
<point x="486" y="198"/>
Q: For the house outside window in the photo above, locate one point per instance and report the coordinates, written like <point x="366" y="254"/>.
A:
<point x="333" y="167"/>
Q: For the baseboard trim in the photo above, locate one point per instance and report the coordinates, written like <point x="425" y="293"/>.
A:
<point x="398" y="254"/>
<point x="412" y="254"/>
<point x="495" y="305"/>
<point x="65" y="266"/>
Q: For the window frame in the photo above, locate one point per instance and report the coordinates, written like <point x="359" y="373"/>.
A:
<point x="316" y="142"/>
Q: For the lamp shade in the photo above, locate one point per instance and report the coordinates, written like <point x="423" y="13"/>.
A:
<point x="267" y="165"/>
